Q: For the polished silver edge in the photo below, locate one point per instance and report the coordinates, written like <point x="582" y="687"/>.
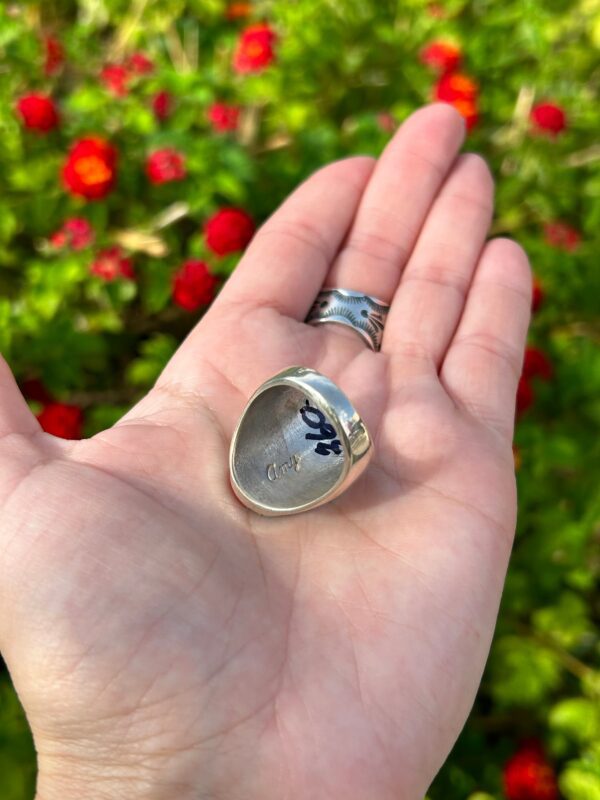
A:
<point x="357" y="461"/>
<point x="352" y="293"/>
<point x="347" y="324"/>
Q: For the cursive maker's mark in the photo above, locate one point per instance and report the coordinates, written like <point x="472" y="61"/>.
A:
<point x="275" y="472"/>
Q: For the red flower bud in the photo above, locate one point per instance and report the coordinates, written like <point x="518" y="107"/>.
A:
<point x="91" y="168"/>
<point x="441" y="56"/>
<point x="255" y="50"/>
<point x="536" y="364"/>
<point x="538" y="295"/>
<point x="38" y="112"/>
<point x="164" y="166"/>
<point x="228" y="231"/>
<point x="548" y="118"/>
<point x="562" y="236"/>
<point x="529" y="776"/>
<point x="111" y="264"/>
<point x="193" y="285"/>
<point x="76" y="233"/>
<point x="116" y="79"/>
<point x="162" y="105"/>
<point x="525" y="396"/>
<point x="62" y="420"/>
<point x="53" y="57"/>
<point x="223" y="117"/>
<point x="140" y="64"/>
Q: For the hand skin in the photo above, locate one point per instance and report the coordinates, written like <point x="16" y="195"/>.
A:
<point x="167" y="643"/>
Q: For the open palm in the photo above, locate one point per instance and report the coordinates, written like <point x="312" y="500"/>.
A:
<point x="168" y="643"/>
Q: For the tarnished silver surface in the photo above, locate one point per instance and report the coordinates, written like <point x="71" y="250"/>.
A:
<point x="364" y="314"/>
<point x="298" y="444"/>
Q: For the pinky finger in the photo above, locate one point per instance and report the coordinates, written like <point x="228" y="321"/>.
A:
<point x="482" y="367"/>
<point x="15" y="414"/>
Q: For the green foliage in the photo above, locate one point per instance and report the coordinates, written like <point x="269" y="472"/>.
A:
<point x="339" y="66"/>
<point x="581" y="780"/>
<point x="17" y="756"/>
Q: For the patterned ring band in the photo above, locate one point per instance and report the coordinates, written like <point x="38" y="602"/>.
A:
<point x="364" y="314"/>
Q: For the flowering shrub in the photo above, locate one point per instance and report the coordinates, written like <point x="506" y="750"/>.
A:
<point x="141" y="145"/>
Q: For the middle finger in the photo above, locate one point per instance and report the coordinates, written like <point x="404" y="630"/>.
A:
<point x="394" y="206"/>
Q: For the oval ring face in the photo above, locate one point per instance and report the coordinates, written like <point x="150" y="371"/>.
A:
<point x="298" y="444"/>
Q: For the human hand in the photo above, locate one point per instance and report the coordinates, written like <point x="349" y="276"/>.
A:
<point x="168" y="643"/>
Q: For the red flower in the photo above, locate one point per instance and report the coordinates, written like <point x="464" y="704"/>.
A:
<point x="562" y="236"/>
<point x="193" y="285"/>
<point x="238" y="10"/>
<point x="469" y="110"/>
<point x="38" y="112"/>
<point x="116" y="79"/>
<point x="538" y="294"/>
<point x="456" y="86"/>
<point x="62" y="420"/>
<point x="164" y="166"/>
<point x="461" y="92"/>
<point x="441" y="56"/>
<point x="54" y="56"/>
<point x="548" y="118"/>
<point x="525" y="396"/>
<point x="76" y="233"/>
<point x="223" y="117"/>
<point x="254" y="50"/>
<point x="162" y="105"/>
<point x="228" y="231"/>
<point x="529" y="776"/>
<point x="111" y="264"/>
<point x="90" y="170"/>
<point x="140" y="64"/>
<point x="536" y="364"/>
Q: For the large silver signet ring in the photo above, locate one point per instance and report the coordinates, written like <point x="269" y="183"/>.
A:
<point x="299" y="443"/>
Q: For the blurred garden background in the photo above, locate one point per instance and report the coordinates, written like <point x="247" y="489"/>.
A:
<point x="142" y="142"/>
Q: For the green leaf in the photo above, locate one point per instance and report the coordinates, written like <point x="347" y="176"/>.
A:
<point x="523" y="672"/>
<point x="578" y="718"/>
<point x="155" y="352"/>
<point x="567" y="622"/>
<point x="581" y="781"/>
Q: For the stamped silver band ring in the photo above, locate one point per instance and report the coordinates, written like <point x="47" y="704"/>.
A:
<point x="364" y="314"/>
<point x="299" y="443"/>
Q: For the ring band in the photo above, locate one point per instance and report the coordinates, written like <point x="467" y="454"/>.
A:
<point x="363" y="313"/>
<point x="299" y="443"/>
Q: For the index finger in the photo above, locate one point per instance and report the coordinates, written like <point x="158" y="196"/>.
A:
<point x="287" y="261"/>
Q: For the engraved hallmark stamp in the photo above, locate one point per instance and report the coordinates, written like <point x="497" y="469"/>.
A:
<point x="275" y="472"/>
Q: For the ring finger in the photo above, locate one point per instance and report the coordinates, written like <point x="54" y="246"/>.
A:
<point x="405" y="182"/>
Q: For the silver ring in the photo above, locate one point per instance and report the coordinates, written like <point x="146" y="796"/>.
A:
<point x="364" y="314"/>
<point x="299" y="443"/>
